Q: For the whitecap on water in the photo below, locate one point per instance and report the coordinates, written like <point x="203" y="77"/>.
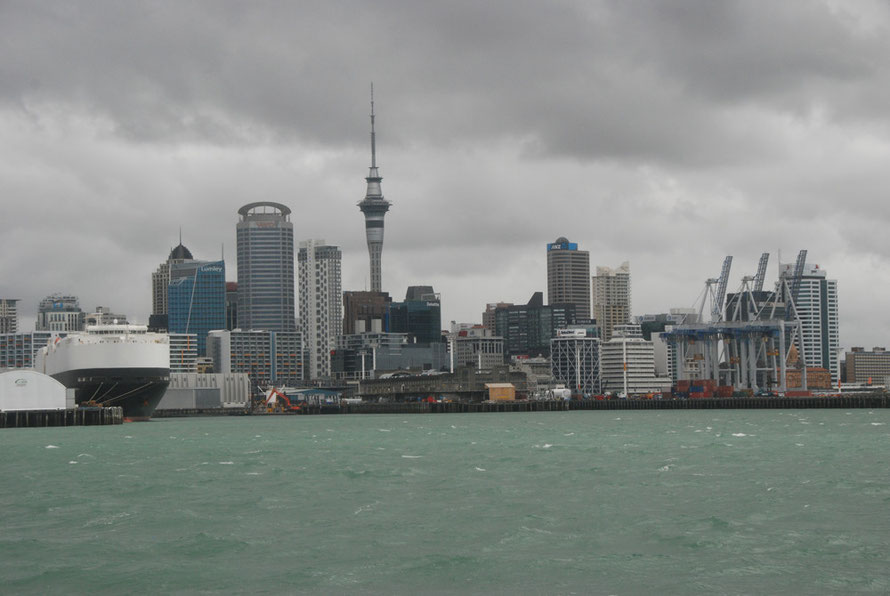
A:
<point x="52" y="447"/>
<point x="739" y="435"/>
<point x="72" y="462"/>
<point x="253" y="473"/>
<point x="480" y="469"/>
<point x="546" y="446"/>
<point x="568" y="434"/>
<point x="85" y="455"/>
<point x="128" y="436"/>
<point x="226" y="463"/>
<point x="385" y="430"/>
<point x="799" y="444"/>
<point x="664" y="469"/>
<point x="412" y="456"/>
<point x="877" y="424"/>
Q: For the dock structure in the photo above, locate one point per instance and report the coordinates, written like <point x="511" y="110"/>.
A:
<point x="859" y="401"/>
<point x="465" y="384"/>
<point x="67" y="417"/>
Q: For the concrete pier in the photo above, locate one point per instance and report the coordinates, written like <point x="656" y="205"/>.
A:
<point x="69" y="417"/>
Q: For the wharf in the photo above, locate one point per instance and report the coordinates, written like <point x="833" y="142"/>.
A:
<point x="870" y="400"/>
<point x="69" y="417"/>
<point x="852" y="401"/>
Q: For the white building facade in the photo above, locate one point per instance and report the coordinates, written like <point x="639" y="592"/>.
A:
<point x="817" y="308"/>
<point x="321" y="304"/>
<point x="627" y="364"/>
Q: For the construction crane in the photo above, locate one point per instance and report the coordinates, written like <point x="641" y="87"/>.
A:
<point x="761" y="272"/>
<point x="720" y="296"/>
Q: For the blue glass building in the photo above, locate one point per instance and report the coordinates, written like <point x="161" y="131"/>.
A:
<point x="196" y="299"/>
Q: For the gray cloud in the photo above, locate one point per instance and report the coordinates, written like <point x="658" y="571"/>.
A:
<point x="668" y="134"/>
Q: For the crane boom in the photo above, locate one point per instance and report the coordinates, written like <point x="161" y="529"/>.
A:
<point x="761" y="272"/>
<point x="717" y="307"/>
<point x="795" y="281"/>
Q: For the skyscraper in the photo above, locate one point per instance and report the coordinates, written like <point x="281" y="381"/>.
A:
<point x="374" y="206"/>
<point x="9" y="317"/>
<point x="611" y="298"/>
<point x="197" y="299"/>
<point x="160" y="279"/>
<point x="265" y="244"/>
<point x="817" y="308"/>
<point x="321" y="304"/>
<point x="568" y="276"/>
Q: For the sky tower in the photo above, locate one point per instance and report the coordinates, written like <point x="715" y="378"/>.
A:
<point x="374" y="206"/>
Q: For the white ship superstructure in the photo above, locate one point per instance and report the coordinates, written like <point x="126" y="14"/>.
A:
<point x="118" y="365"/>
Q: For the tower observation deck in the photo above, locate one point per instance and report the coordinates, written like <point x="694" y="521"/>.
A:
<point x="374" y="206"/>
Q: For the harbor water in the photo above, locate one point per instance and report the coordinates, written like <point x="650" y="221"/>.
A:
<point x="625" y="502"/>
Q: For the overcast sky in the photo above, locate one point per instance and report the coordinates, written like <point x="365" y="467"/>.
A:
<point x="668" y="134"/>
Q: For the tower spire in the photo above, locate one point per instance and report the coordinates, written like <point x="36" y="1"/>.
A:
<point x="374" y="207"/>
<point x="373" y="134"/>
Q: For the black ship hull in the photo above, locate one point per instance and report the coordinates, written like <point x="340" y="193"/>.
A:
<point x="136" y="390"/>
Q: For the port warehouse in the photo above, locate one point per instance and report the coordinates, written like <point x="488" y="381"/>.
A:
<point x="31" y="399"/>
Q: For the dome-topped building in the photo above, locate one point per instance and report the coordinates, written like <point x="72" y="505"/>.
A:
<point x="160" y="279"/>
<point x="180" y="254"/>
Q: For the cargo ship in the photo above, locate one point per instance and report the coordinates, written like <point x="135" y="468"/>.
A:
<point x="111" y="365"/>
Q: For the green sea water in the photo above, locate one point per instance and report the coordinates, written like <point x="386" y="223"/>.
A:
<point x="642" y="502"/>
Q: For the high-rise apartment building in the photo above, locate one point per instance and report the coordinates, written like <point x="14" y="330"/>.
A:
<point x="59" y="313"/>
<point x="568" y="276"/>
<point x="265" y="245"/>
<point x="9" y="315"/>
<point x="197" y="299"/>
<point x="17" y="350"/>
<point x="816" y="306"/>
<point x="374" y="207"/>
<point x="611" y="298"/>
<point x="267" y="357"/>
<point x="183" y="352"/>
<point x="321" y="304"/>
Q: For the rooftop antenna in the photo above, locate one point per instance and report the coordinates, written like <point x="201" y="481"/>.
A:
<point x="180" y="235"/>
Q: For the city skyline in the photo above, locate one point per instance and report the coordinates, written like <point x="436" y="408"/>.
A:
<point x="667" y="136"/>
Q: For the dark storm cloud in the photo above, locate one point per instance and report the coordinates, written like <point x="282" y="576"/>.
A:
<point x="612" y="80"/>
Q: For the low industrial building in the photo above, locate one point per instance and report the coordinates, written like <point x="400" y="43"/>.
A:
<point x="194" y="391"/>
